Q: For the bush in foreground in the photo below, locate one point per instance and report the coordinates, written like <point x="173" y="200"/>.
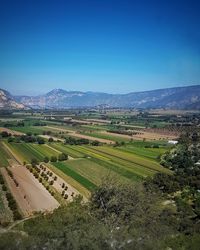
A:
<point x="116" y="217"/>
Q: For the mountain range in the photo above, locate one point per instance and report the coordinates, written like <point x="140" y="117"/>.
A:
<point x="170" y="98"/>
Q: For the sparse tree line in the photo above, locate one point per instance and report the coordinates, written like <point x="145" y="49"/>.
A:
<point x="82" y="141"/>
<point x="28" y="138"/>
<point x="22" y="124"/>
<point x="46" y="178"/>
<point x="14" y="124"/>
<point x="34" y="138"/>
<point x="11" y="201"/>
<point x="12" y="177"/>
<point x="61" y="157"/>
<point x="122" y="132"/>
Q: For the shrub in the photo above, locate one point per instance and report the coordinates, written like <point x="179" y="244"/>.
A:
<point x="40" y="140"/>
<point x="53" y="159"/>
<point x="46" y="159"/>
<point x="51" y="182"/>
<point x="5" y="134"/>
<point x="62" y="157"/>
<point x="4" y="188"/>
<point x="50" y="139"/>
<point x="11" y="139"/>
<point x="34" y="162"/>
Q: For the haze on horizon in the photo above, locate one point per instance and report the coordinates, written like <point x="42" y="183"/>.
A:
<point x="103" y="46"/>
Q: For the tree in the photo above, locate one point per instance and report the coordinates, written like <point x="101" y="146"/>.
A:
<point x="34" y="162"/>
<point x="50" y="139"/>
<point x="5" y="134"/>
<point x="46" y="159"/>
<point x="62" y="157"/>
<point x="53" y="159"/>
<point x="11" y="139"/>
<point x="40" y="140"/>
<point x="51" y="182"/>
<point x="95" y="143"/>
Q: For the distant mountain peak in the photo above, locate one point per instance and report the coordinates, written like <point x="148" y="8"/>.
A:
<point x="56" y="92"/>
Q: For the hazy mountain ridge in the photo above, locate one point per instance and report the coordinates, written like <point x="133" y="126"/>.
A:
<point x="179" y="97"/>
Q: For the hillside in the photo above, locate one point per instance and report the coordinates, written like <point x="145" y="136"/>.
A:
<point x="170" y="98"/>
<point x="180" y="97"/>
<point x="8" y="102"/>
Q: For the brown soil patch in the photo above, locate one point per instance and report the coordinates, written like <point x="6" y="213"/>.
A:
<point x="31" y="196"/>
<point x="143" y="135"/>
<point x="75" y="134"/>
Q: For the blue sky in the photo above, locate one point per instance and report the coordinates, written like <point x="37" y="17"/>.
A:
<point x="108" y="46"/>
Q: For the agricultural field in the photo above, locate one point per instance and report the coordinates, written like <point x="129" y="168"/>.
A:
<point x="81" y="134"/>
<point x="68" y="149"/>
<point x="151" y="153"/>
<point x="28" y="151"/>
<point x="4" y="156"/>
<point x="93" y="154"/>
<point x="111" y="137"/>
<point x="88" y="165"/>
<point x="29" y="129"/>
<point x="31" y="196"/>
<point x="70" y="171"/>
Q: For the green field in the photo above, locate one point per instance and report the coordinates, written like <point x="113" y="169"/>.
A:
<point x="4" y="156"/>
<point x="30" y="129"/>
<point x="151" y="153"/>
<point x="124" y="165"/>
<point x="93" y="170"/>
<point x="65" y="167"/>
<point x="114" y="153"/>
<point x="106" y="136"/>
<point x="70" y="150"/>
<point x="84" y="191"/>
<point x="89" y="164"/>
<point x="28" y="151"/>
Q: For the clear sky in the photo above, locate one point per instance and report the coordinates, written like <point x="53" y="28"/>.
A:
<point x="98" y="45"/>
